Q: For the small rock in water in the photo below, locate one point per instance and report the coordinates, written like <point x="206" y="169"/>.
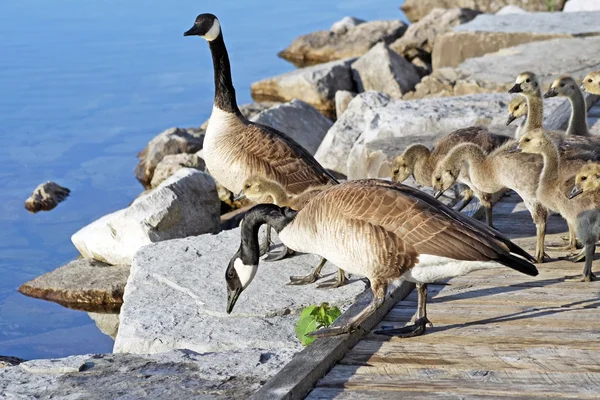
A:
<point x="45" y="197"/>
<point x="173" y="163"/>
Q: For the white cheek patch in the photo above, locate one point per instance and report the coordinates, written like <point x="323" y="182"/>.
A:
<point x="245" y="272"/>
<point x="213" y="32"/>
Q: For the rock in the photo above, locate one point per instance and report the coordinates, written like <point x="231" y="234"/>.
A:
<point x="315" y="85"/>
<point x="369" y="117"/>
<point x="342" y="99"/>
<point x="171" y="141"/>
<point x="56" y="366"/>
<point x="338" y="141"/>
<point x="173" y="163"/>
<point x="325" y="46"/>
<point x="107" y="323"/>
<point x="510" y="9"/>
<point x="175" y="298"/>
<point x="384" y="71"/>
<point x="491" y="33"/>
<point x="45" y="197"/>
<point x="8" y="361"/>
<point x="582" y="5"/>
<point x="248" y="110"/>
<point x="345" y="24"/>
<point x="185" y="204"/>
<point x="423" y="68"/>
<point x="81" y="284"/>
<point x="420" y="37"/>
<point x="417" y="9"/>
<point x="299" y="120"/>
<point x="180" y="374"/>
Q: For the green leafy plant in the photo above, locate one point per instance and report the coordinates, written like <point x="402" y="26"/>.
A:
<point x="550" y="5"/>
<point x="313" y="318"/>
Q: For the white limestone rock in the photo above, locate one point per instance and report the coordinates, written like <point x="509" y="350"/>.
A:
<point x="510" y="9"/>
<point x="342" y="99"/>
<point x="185" y="204"/>
<point x="582" y="5"/>
<point x="174" y="162"/>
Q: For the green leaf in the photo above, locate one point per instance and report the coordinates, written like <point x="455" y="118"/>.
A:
<point x="313" y="318"/>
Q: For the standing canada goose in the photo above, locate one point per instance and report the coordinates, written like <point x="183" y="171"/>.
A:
<point x="236" y="148"/>
<point x="567" y="87"/>
<point x="591" y="83"/>
<point x="384" y="231"/>
<point x="262" y="190"/>
<point x="497" y="171"/>
<point x="517" y="108"/>
<point x="418" y="161"/>
<point x="585" y="202"/>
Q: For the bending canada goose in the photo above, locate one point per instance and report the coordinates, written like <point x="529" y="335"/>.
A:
<point x="591" y="83"/>
<point x="418" y="161"/>
<point x="236" y="148"/>
<point x="497" y="171"/>
<point x="585" y="201"/>
<point x="262" y="190"/>
<point x="517" y="108"/>
<point x="384" y="231"/>
<point x="567" y="87"/>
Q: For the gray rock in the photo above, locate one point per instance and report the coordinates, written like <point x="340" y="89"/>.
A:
<point x="582" y="5"/>
<point x="185" y="204"/>
<point x="299" y="120"/>
<point x="176" y="297"/>
<point x="8" y="361"/>
<point x="338" y="141"/>
<point x="249" y="110"/>
<point x="82" y="284"/>
<point x="325" y="46"/>
<point x="173" y="163"/>
<point x="345" y="24"/>
<point x="56" y="366"/>
<point x="314" y="85"/>
<point x="384" y="71"/>
<point x="417" y="9"/>
<point x="45" y="197"/>
<point x="342" y="99"/>
<point x="171" y="141"/>
<point x="368" y="118"/>
<point x="106" y="323"/>
<point x="510" y="9"/>
<point x="177" y="374"/>
<point x="420" y="37"/>
<point x="491" y="33"/>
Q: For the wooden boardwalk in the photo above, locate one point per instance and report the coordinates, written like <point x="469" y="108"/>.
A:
<point x="497" y="334"/>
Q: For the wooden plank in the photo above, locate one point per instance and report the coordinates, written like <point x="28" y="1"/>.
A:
<point x="299" y="376"/>
<point x="325" y="393"/>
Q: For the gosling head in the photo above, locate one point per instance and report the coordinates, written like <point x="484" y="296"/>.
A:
<point x="401" y="169"/>
<point x="591" y="83"/>
<point x="533" y="142"/>
<point x="257" y="188"/>
<point x="588" y="178"/>
<point x="526" y="83"/>
<point x="443" y="178"/>
<point x="206" y="26"/>
<point x="517" y="108"/>
<point x="562" y="86"/>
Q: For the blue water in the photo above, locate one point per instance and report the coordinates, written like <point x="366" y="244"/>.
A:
<point x="83" y="87"/>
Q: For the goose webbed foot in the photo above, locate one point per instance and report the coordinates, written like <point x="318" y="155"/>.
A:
<point x="416" y="329"/>
<point x="575" y="257"/>
<point x="334" y="283"/>
<point x="280" y="255"/>
<point x="588" y="278"/>
<point x="310" y="278"/>
<point x="567" y="247"/>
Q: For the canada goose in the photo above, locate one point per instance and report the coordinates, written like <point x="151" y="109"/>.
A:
<point x="384" y="231"/>
<point x="585" y="201"/>
<point x="591" y="83"/>
<point x="263" y="190"/>
<point x="236" y="148"/>
<point x="517" y="108"/>
<point x="418" y="161"/>
<point x="497" y="171"/>
<point x="528" y="85"/>
<point x="567" y="87"/>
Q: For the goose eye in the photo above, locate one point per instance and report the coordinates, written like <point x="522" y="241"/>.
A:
<point x="583" y="178"/>
<point x="438" y="178"/>
<point x="590" y="80"/>
<point x="562" y="85"/>
<point x="395" y="171"/>
<point x="527" y="80"/>
<point x="230" y="273"/>
<point x="247" y="186"/>
<point x="527" y="140"/>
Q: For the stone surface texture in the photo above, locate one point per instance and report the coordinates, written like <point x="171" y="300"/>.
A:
<point x="299" y="120"/>
<point x="45" y="197"/>
<point x="582" y="5"/>
<point x="82" y="282"/>
<point x="171" y="141"/>
<point x="345" y="24"/>
<point x="491" y="33"/>
<point x="107" y="323"/>
<point x="173" y="163"/>
<point x="383" y="70"/>
<point x="185" y="204"/>
<point x="314" y="85"/>
<point x="342" y="99"/>
<point x="176" y="297"/>
<point x="343" y="41"/>
<point x="417" y="9"/>
<point x="178" y="374"/>
<point x="510" y="9"/>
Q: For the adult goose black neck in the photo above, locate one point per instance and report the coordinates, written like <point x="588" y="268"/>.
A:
<point x="224" y="91"/>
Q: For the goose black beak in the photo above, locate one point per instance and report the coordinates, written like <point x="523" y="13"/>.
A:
<point x="575" y="192"/>
<point x="232" y="297"/>
<point x="516" y="89"/>
<point x="239" y="196"/>
<point x="550" y="93"/>
<point x="194" y="30"/>
<point x="510" y="119"/>
<point x="438" y="194"/>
